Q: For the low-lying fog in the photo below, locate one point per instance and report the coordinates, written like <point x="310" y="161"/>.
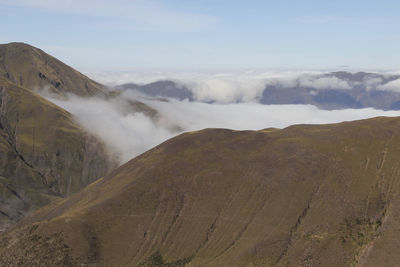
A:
<point x="128" y="134"/>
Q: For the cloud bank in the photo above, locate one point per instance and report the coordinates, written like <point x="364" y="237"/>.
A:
<point x="245" y="86"/>
<point x="128" y="134"/>
<point x="253" y="116"/>
<point x="393" y="86"/>
<point x="323" y="83"/>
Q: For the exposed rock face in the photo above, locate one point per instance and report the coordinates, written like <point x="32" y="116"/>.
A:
<point x="301" y="196"/>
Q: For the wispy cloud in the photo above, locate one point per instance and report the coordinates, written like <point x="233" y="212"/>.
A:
<point x="149" y="15"/>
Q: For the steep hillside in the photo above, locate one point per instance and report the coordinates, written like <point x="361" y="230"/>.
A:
<point x="44" y="153"/>
<point x="32" y="68"/>
<point x="302" y="196"/>
<point x="29" y="67"/>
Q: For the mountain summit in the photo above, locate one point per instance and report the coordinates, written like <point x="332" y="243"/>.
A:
<point x="30" y="67"/>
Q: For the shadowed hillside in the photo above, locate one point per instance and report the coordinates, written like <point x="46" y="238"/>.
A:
<point x="44" y="153"/>
<point x="302" y="196"/>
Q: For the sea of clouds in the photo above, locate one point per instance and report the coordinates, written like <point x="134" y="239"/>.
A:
<point x="242" y="86"/>
<point x="128" y="134"/>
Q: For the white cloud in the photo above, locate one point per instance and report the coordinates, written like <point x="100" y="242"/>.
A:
<point x="149" y="15"/>
<point x="227" y="87"/>
<point x="372" y="83"/>
<point x="128" y="134"/>
<point x="253" y="116"/>
<point x="125" y="134"/>
<point x="221" y="87"/>
<point x="323" y="83"/>
<point x="393" y="86"/>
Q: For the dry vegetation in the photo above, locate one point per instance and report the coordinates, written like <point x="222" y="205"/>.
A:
<point x="302" y="196"/>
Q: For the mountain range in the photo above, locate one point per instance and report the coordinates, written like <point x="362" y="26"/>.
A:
<point x="332" y="90"/>
<point x="306" y="195"/>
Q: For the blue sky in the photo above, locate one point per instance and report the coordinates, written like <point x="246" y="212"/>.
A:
<point x="209" y="34"/>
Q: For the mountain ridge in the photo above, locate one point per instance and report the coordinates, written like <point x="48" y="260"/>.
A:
<point x="32" y="68"/>
<point x="303" y="195"/>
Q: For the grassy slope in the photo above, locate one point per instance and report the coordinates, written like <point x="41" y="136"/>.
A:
<point x="32" y="68"/>
<point x="302" y="196"/>
<point x="29" y="67"/>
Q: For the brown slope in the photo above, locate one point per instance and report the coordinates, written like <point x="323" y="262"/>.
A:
<point x="44" y="153"/>
<point x="32" y="68"/>
<point x="302" y="196"/>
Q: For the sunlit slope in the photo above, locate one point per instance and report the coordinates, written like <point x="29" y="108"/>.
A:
<point x="43" y="151"/>
<point x="32" y="68"/>
<point x="302" y="196"/>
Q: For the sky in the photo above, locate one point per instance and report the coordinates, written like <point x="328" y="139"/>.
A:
<point x="209" y="34"/>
